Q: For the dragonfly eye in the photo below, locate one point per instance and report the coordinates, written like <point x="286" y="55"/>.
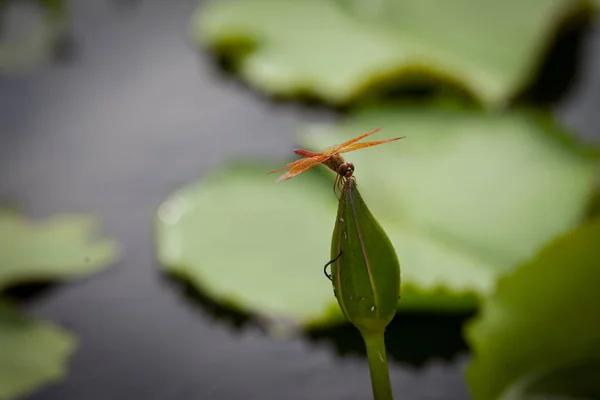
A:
<point x="346" y="170"/>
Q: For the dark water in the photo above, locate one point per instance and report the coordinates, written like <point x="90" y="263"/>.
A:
<point x="132" y="112"/>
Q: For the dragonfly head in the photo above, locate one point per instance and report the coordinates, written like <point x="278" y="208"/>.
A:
<point x="346" y="169"/>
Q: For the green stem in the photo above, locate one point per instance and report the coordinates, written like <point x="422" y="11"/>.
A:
<point x="380" y="375"/>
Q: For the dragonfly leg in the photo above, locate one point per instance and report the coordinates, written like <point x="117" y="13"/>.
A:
<point x="336" y="185"/>
<point x="341" y="185"/>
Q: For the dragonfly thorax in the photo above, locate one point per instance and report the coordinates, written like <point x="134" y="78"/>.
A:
<point x="338" y="165"/>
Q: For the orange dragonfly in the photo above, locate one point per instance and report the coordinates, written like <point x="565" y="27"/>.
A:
<point x="331" y="158"/>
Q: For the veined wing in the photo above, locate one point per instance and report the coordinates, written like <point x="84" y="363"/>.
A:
<point x="306" y="153"/>
<point x="337" y="148"/>
<point x="290" y="165"/>
<point x="305" y="164"/>
<point x="357" y="146"/>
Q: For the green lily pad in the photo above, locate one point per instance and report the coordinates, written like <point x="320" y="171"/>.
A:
<point x="251" y="243"/>
<point x="57" y="248"/>
<point x="542" y="322"/>
<point x="495" y="186"/>
<point x="33" y="353"/>
<point x="463" y="198"/>
<point x="337" y="50"/>
<point x="35" y="46"/>
<point x="570" y="382"/>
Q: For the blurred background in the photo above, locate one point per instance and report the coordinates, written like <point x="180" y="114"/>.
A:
<point x="108" y="107"/>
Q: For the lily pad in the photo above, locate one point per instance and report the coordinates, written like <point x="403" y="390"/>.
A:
<point x="337" y="50"/>
<point x="464" y="197"/>
<point x="33" y="353"/>
<point x="35" y="46"/>
<point x="494" y="186"/>
<point x="250" y="243"/>
<point x="540" y="331"/>
<point x="57" y="248"/>
<point x="571" y="382"/>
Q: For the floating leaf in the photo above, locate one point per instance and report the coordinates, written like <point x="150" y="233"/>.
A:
<point x="251" y="243"/>
<point x="32" y="353"/>
<point x="337" y="50"/>
<point x="26" y="53"/>
<point x="544" y="316"/>
<point x="57" y="248"/>
<point x="570" y="382"/>
<point x="464" y="197"/>
<point x="484" y="190"/>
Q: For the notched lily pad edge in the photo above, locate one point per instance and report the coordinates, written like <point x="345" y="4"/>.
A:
<point x="235" y="44"/>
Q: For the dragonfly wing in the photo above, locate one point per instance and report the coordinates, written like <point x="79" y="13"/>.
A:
<point x="290" y="165"/>
<point x="335" y="149"/>
<point x="357" y="146"/>
<point x="301" y="167"/>
<point x="306" y="153"/>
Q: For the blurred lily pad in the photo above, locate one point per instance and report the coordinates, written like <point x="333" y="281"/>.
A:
<point x="539" y="333"/>
<point x="250" y="243"/>
<point x="570" y="382"/>
<point x="29" y="32"/>
<point x="337" y="50"/>
<point x="32" y="353"/>
<point x="60" y="247"/>
<point x="494" y="186"/>
<point x="463" y="198"/>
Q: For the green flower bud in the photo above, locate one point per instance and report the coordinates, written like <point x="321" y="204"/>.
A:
<point x="366" y="276"/>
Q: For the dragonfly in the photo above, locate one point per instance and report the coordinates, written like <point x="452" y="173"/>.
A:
<point x="330" y="157"/>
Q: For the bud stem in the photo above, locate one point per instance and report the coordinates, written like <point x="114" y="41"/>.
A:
<point x="380" y="375"/>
